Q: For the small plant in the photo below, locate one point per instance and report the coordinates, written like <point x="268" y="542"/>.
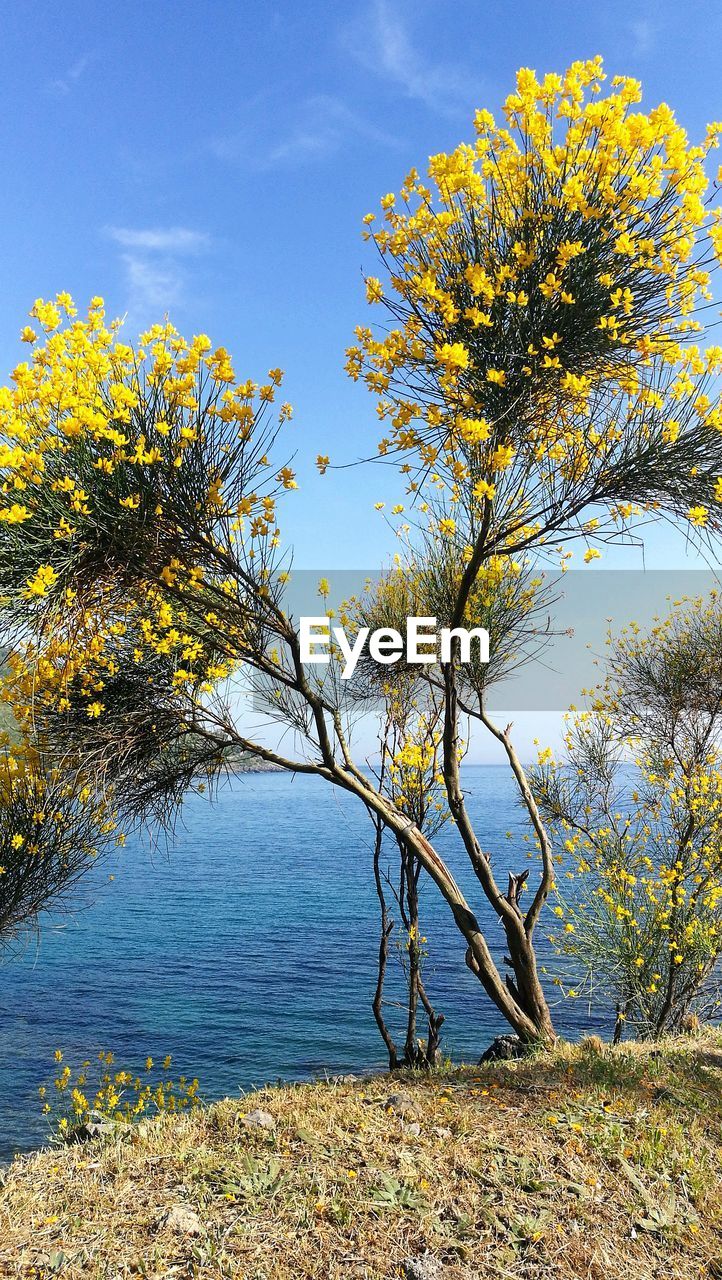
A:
<point x="252" y="1180"/>
<point x="394" y="1194"/>
<point x="98" y="1095"/>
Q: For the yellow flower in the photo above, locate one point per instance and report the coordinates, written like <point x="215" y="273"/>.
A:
<point x="374" y="292"/>
<point x="502" y="457"/>
<point x="474" y="430"/>
<point x="41" y="582"/>
<point x="698" y="516"/>
<point x="15" y="514"/>
<point x="453" y="355"/>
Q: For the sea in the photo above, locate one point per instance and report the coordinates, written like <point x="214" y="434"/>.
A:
<point x="245" y="946"/>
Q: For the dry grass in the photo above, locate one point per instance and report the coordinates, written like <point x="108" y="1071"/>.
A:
<point x="588" y="1162"/>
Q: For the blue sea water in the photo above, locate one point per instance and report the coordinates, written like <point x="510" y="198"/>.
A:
<point x="246" y="949"/>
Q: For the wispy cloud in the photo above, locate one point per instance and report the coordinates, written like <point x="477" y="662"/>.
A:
<point x="644" y="34"/>
<point x="64" y="84"/>
<point x="382" y="43"/>
<point x="178" y="240"/>
<point x="154" y="262"/>
<point x="317" y="128"/>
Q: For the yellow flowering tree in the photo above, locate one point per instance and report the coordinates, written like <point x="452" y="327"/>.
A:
<point x="542" y="375"/>
<point x="144" y="581"/>
<point x="636" y="804"/>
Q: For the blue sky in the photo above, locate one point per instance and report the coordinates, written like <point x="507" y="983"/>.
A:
<point x="214" y="160"/>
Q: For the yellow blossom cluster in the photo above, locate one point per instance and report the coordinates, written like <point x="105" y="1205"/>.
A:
<point x="549" y="273"/>
<point x="100" y="1089"/>
<point x="135" y="482"/>
<point x="415" y="777"/>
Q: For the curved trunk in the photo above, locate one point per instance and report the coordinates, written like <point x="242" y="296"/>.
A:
<point x="525" y="1009"/>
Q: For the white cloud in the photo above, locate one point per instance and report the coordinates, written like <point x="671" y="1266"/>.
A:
<point x="317" y="128"/>
<point x="151" y="287"/>
<point x="155" y="268"/>
<point x="382" y="43"/>
<point x="176" y="240"/>
<point x="643" y="34"/>
<point x="64" y="84"/>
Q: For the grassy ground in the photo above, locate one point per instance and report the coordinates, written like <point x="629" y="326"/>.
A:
<point x="588" y="1162"/>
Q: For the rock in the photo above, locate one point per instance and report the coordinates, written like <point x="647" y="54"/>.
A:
<point x="413" y="1129"/>
<point x="99" y="1129"/>
<point x="425" y="1268"/>
<point x="259" y="1120"/>
<point x="503" y="1049"/>
<point x="91" y="1129"/>
<point x="710" y="1058"/>
<point x="401" y="1104"/>
<point x="663" y="1094"/>
<point x="442" y="1132"/>
<point x="183" y="1220"/>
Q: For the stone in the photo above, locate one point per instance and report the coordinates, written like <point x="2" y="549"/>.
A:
<point x="413" y="1129"/>
<point x="710" y="1058"/>
<point x="423" y="1268"/>
<point x="259" y="1120"/>
<point x="100" y="1129"/>
<point x="183" y="1220"/>
<point x="92" y="1129"/>
<point x="503" y="1049"/>
<point x="401" y="1104"/>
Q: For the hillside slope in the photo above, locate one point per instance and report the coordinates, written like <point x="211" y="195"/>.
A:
<point x="586" y="1162"/>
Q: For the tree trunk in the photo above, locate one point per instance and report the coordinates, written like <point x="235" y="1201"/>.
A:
<point x="385" y="931"/>
<point x="415" y="1053"/>
<point x="532" y="1022"/>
